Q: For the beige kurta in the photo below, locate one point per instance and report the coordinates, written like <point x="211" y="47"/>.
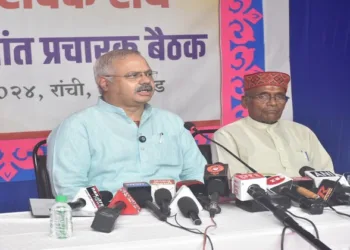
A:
<point x="283" y="147"/>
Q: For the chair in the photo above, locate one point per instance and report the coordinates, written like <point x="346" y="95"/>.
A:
<point x="206" y="152"/>
<point x="42" y="177"/>
<point x="205" y="148"/>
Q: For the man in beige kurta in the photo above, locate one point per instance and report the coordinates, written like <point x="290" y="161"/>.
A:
<point x="262" y="140"/>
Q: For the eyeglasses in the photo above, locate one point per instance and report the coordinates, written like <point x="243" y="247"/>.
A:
<point x="264" y="98"/>
<point x="134" y="76"/>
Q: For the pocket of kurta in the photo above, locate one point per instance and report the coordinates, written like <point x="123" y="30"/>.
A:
<point x="301" y="159"/>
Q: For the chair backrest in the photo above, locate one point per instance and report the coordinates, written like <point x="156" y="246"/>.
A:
<point x="205" y="148"/>
<point x="42" y="177"/>
<point x="206" y="152"/>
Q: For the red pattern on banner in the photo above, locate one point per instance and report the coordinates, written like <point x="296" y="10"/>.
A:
<point x="16" y="156"/>
<point x="237" y="20"/>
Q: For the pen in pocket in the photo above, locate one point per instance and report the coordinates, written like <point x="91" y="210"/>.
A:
<point x="306" y="155"/>
<point x="160" y="137"/>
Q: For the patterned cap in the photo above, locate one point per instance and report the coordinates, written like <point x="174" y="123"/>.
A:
<point x="266" y="79"/>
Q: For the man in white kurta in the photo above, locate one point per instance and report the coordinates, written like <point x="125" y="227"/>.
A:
<point x="268" y="144"/>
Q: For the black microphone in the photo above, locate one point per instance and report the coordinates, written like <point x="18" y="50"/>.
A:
<point x="77" y="204"/>
<point x="191" y="127"/>
<point x="106" y="217"/>
<point x="311" y="206"/>
<point x="106" y="197"/>
<point x="144" y="199"/>
<point x="261" y="197"/>
<point x="216" y="188"/>
<point x="283" y="185"/>
<point x="163" y="198"/>
<point x="189" y="209"/>
<point x="305" y="168"/>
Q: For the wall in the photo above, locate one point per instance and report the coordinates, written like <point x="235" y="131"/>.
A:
<point x="320" y="69"/>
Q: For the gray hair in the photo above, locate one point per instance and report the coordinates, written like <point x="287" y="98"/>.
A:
<point x="104" y="64"/>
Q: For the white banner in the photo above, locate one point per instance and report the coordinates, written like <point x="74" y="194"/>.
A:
<point x="47" y="50"/>
<point x="276" y="41"/>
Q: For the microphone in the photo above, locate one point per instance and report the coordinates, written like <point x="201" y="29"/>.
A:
<point x="245" y="201"/>
<point x="199" y="191"/>
<point x="261" y="197"/>
<point x="105" y="217"/>
<point x="131" y="206"/>
<point x="77" y="204"/>
<point x="216" y="188"/>
<point x="283" y="185"/>
<point x="217" y="184"/>
<point x="319" y="175"/>
<point x="243" y="181"/>
<point x="87" y="200"/>
<point x="106" y="197"/>
<point x="132" y="187"/>
<point x="196" y="187"/>
<point x="163" y="198"/>
<point x="144" y="199"/>
<point x="220" y="172"/>
<point x="191" y="127"/>
<point x="189" y="209"/>
<point x="141" y="192"/>
<point x="184" y="191"/>
<point x="333" y="193"/>
<point x="158" y="184"/>
<point x="331" y="187"/>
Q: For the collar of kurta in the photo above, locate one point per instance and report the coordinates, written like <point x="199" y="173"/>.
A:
<point x="114" y="109"/>
<point x="260" y="125"/>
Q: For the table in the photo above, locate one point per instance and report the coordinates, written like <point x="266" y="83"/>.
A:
<point x="236" y="229"/>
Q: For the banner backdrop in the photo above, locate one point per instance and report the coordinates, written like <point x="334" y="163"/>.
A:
<point x="254" y="37"/>
<point x="47" y="49"/>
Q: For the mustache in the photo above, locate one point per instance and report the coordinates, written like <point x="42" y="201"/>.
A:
<point x="145" y="87"/>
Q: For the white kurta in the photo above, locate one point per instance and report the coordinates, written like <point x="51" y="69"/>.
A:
<point x="283" y="147"/>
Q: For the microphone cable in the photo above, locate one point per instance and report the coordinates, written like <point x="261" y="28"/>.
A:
<point x="299" y="217"/>
<point x="206" y="230"/>
<point x="314" y="226"/>
<point x="329" y="205"/>
<point x="191" y="230"/>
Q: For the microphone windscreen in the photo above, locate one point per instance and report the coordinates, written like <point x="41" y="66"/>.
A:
<point x="216" y="186"/>
<point x="187" y="205"/>
<point x="106" y="197"/>
<point x="189" y="126"/>
<point x="141" y="196"/>
<point x="305" y="168"/>
<point x="162" y="194"/>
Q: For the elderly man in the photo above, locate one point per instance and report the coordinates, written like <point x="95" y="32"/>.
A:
<point x="262" y="140"/>
<point x="122" y="138"/>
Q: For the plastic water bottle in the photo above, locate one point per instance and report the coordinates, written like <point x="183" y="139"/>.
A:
<point x="61" y="226"/>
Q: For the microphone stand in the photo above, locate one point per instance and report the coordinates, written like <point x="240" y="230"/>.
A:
<point x="261" y="197"/>
<point x="197" y="132"/>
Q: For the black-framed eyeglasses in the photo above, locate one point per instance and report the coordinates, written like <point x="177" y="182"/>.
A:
<point x="264" y="98"/>
<point x="133" y="76"/>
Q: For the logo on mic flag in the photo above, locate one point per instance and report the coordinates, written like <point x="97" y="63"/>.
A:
<point x="215" y="169"/>
<point x="274" y="180"/>
<point x="131" y="206"/>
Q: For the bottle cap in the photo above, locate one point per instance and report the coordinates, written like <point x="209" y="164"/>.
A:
<point x="61" y="198"/>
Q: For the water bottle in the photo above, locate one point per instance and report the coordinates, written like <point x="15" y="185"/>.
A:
<point x="61" y="226"/>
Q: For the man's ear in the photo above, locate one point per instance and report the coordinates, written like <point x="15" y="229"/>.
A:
<point x="244" y="101"/>
<point x="103" y="83"/>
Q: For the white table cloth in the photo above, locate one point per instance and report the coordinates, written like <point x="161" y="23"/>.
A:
<point x="236" y="229"/>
